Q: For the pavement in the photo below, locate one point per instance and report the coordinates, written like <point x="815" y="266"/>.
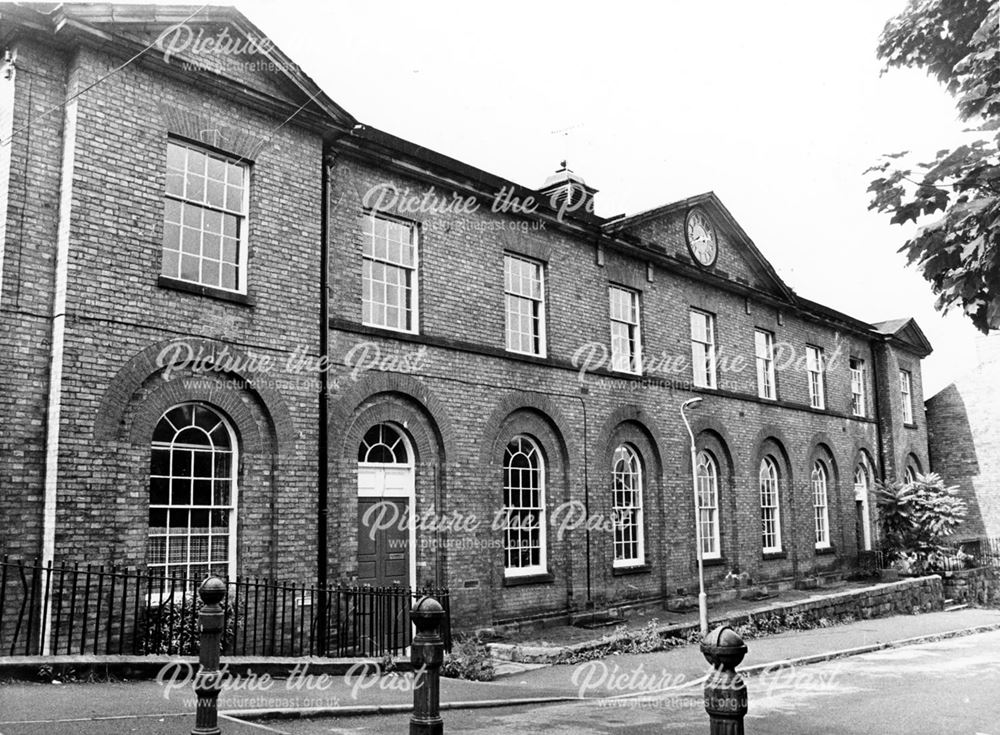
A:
<point x="165" y="705"/>
<point x="927" y="689"/>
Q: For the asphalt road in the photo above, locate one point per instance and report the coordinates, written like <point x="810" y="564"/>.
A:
<point x="945" y="688"/>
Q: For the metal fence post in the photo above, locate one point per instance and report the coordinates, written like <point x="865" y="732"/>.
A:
<point x="426" y="655"/>
<point x="208" y="680"/>
<point x="725" y="690"/>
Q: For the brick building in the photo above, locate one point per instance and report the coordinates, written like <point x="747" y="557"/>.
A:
<point x="965" y="438"/>
<point x="506" y="368"/>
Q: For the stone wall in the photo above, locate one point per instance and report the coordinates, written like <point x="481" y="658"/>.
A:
<point x="973" y="586"/>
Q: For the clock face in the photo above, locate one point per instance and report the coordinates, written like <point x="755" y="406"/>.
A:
<point x="701" y="239"/>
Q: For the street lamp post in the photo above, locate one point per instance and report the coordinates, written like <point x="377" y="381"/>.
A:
<point x="702" y="600"/>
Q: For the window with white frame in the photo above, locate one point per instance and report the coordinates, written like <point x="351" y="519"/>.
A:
<point x="858" y="400"/>
<point x="703" y="348"/>
<point x="389" y="280"/>
<point x="205" y="222"/>
<point x="626" y="347"/>
<point x="627" y="507"/>
<point x="821" y="511"/>
<point x="764" y="349"/>
<point x="814" y="367"/>
<point x="192" y="494"/>
<point x="906" y="389"/>
<point x="708" y="504"/>
<point x="770" y="514"/>
<point x="524" y="508"/>
<point x="910" y="476"/>
<point x="524" y="289"/>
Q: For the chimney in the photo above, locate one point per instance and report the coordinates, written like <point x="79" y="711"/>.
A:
<point x="568" y="192"/>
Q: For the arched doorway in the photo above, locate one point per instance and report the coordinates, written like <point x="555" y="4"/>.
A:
<point x="386" y="527"/>
<point x="862" y="489"/>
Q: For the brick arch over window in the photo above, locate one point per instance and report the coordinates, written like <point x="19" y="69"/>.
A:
<point x="258" y="471"/>
<point x="863" y="451"/>
<point x="343" y="411"/>
<point x="420" y="426"/>
<point x="149" y="365"/>
<point x="820" y="451"/>
<point x="626" y="421"/>
<point x="524" y="403"/>
<point x="820" y="448"/>
<point x="911" y="460"/>
<point x="626" y="427"/>
<point x="772" y="438"/>
<point x="770" y="444"/>
<point x="712" y="435"/>
<point x="547" y="437"/>
<point x="225" y="399"/>
<point x="407" y="405"/>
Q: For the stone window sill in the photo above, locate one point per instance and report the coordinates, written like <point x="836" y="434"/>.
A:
<point x="199" y="290"/>
<point x="544" y="578"/>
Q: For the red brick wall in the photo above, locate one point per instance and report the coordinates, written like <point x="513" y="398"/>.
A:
<point x="467" y="383"/>
<point x="118" y="318"/>
<point x="964" y="439"/>
<point x="29" y="216"/>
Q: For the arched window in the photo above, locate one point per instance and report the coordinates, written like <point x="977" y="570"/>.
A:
<point x="708" y="505"/>
<point x="910" y="476"/>
<point x="383" y="444"/>
<point x="770" y="515"/>
<point x="821" y="511"/>
<point x="626" y="502"/>
<point x="524" y="508"/>
<point x="192" y="494"/>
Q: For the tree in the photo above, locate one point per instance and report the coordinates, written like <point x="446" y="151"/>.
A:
<point x="956" y="195"/>
<point x="915" y="518"/>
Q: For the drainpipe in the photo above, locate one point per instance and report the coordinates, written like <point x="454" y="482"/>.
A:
<point x="586" y="503"/>
<point x="878" y="414"/>
<point x="56" y="357"/>
<point x="323" y="439"/>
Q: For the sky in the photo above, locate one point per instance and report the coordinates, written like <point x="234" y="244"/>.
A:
<point x="777" y="107"/>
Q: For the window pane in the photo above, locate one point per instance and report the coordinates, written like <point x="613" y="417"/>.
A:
<point x="199" y="186"/>
<point x="194" y="485"/>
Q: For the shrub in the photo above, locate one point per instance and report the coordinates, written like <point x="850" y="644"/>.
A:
<point x="171" y="627"/>
<point x="468" y="659"/>
<point x="914" y="519"/>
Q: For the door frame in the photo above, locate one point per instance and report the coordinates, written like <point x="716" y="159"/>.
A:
<point x="409" y="493"/>
<point x="861" y="495"/>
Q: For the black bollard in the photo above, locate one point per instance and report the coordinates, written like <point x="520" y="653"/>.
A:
<point x="725" y="690"/>
<point x="426" y="655"/>
<point x="206" y="683"/>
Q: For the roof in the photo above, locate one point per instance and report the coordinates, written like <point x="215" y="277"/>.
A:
<point x="906" y="333"/>
<point x="106" y="24"/>
<point x="109" y="25"/>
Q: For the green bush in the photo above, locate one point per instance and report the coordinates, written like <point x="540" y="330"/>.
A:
<point x="468" y="659"/>
<point x="915" y="519"/>
<point x="171" y="627"/>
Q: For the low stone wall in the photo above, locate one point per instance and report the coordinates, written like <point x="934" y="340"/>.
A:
<point x="973" y="586"/>
<point x="919" y="594"/>
<point x="911" y="595"/>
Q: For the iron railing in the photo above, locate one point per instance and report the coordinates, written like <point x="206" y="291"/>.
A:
<point x="983" y="551"/>
<point x="980" y="552"/>
<point x="106" y="610"/>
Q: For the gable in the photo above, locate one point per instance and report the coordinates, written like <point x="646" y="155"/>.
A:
<point x="219" y="47"/>
<point x="209" y="40"/>
<point x="737" y="259"/>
